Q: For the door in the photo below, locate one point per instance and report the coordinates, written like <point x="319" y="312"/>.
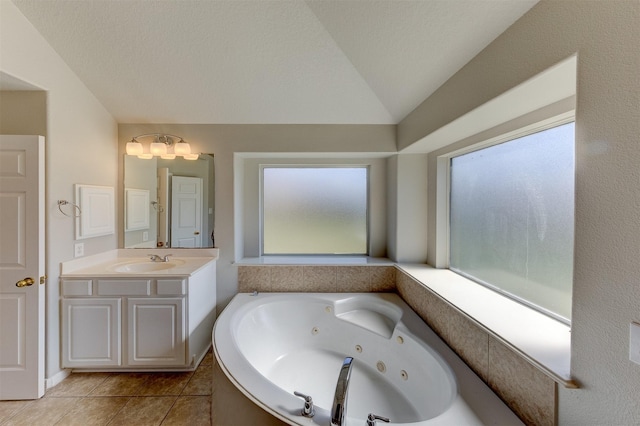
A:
<point x="186" y="211"/>
<point x="21" y="267"/>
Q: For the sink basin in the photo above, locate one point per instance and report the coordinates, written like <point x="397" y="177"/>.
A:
<point x="146" y="266"/>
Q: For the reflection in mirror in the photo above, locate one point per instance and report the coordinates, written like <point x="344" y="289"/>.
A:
<point x="180" y="207"/>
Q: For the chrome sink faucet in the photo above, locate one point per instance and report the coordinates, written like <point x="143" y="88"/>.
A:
<point x="339" y="408"/>
<point x="156" y="258"/>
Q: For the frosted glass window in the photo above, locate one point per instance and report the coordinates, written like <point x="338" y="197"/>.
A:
<point x="319" y="210"/>
<point x="512" y="218"/>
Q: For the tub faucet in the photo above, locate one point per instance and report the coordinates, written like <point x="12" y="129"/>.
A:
<point x="371" y="419"/>
<point x="339" y="408"/>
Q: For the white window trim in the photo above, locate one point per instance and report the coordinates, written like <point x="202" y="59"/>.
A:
<point x="367" y="167"/>
<point x="544" y="341"/>
<point x="444" y="178"/>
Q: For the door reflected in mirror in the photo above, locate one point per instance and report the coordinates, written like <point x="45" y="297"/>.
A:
<point x="180" y="210"/>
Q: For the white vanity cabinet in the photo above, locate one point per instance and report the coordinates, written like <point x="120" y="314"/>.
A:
<point x="139" y="322"/>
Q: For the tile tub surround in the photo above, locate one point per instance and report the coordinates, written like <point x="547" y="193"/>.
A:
<point x="316" y="278"/>
<point x="530" y="393"/>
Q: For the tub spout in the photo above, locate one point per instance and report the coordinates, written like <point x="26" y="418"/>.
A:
<point x="339" y="408"/>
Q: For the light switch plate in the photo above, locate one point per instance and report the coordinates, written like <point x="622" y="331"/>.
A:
<point x="634" y="342"/>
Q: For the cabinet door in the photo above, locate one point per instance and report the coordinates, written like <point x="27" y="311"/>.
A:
<point x="156" y="331"/>
<point x="91" y="332"/>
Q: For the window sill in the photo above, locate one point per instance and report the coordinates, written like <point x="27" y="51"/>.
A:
<point x="541" y="340"/>
<point x="316" y="260"/>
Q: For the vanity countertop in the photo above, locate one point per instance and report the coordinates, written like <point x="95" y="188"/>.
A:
<point x="136" y="263"/>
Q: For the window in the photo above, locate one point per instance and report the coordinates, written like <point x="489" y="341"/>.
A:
<point x="314" y="210"/>
<point x="512" y="218"/>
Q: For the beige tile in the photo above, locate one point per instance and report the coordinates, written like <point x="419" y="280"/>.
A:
<point x="165" y="384"/>
<point x="190" y="410"/>
<point x="353" y="279"/>
<point x="254" y="278"/>
<point x="414" y="294"/>
<point x="144" y="411"/>
<point x="383" y="278"/>
<point x="10" y="408"/>
<point x="77" y="384"/>
<point x="319" y="279"/>
<point x="201" y="382"/>
<point x="525" y="389"/>
<point x="41" y="412"/>
<point x="121" y="384"/>
<point x="94" y="411"/>
<point x="208" y="358"/>
<point x="469" y="341"/>
<point x="287" y="278"/>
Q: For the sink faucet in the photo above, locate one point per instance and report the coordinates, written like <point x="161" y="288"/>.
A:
<point x="339" y="408"/>
<point x="156" y="258"/>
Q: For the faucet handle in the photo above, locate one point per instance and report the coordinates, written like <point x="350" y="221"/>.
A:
<point x="166" y="257"/>
<point x="371" y="419"/>
<point x="308" y="410"/>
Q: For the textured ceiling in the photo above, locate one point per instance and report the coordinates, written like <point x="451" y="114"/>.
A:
<point x="261" y="61"/>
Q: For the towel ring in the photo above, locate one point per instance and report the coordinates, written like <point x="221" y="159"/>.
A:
<point x="75" y="207"/>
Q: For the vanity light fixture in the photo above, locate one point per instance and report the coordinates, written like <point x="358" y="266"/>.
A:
<point x="159" y="147"/>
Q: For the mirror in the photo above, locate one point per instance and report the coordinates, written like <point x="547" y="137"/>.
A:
<point x="168" y="203"/>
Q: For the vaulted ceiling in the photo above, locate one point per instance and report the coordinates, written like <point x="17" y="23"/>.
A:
<point x="263" y="61"/>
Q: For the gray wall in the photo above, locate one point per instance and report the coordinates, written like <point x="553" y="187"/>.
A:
<point x="606" y="292"/>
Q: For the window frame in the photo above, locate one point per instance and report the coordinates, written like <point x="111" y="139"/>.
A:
<point x="368" y="170"/>
<point x="443" y="202"/>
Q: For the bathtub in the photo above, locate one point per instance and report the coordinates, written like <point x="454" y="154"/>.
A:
<point x="270" y="345"/>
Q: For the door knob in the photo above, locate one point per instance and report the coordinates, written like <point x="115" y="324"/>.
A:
<point x="25" y="282"/>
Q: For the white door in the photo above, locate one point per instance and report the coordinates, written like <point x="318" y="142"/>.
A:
<point x="186" y="211"/>
<point x="21" y="267"/>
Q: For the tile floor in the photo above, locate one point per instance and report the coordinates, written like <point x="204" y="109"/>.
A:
<point x="141" y="399"/>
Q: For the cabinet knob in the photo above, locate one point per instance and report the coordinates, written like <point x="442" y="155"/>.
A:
<point x="196" y="233"/>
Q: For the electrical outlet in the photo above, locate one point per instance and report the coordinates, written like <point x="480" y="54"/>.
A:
<point x="634" y="342"/>
<point x="78" y="249"/>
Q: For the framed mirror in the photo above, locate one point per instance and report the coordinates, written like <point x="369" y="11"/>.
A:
<point x="179" y="210"/>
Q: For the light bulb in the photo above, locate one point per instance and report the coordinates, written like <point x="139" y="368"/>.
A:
<point x="158" y="148"/>
<point x="134" y="148"/>
<point x="182" y="148"/>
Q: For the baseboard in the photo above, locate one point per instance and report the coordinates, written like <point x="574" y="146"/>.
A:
<point x="56" y="378"/>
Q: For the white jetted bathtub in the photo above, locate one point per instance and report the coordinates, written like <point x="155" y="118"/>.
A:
<point x="271" y="345"/>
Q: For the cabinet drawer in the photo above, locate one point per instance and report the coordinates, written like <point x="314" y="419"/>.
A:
<point x="124" y="287"/>
<point x="175" y="287"/>
<point x="76" y="288"/>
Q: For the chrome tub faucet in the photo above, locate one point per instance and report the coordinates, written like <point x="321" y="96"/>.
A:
<point x="339" y="408"/>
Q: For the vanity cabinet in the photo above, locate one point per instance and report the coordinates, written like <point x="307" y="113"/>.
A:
<point x="92" y="333"/>
<point x="137" y="323"/>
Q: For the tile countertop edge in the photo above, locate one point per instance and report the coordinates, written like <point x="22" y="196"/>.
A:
<point x="541" y="340"/>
